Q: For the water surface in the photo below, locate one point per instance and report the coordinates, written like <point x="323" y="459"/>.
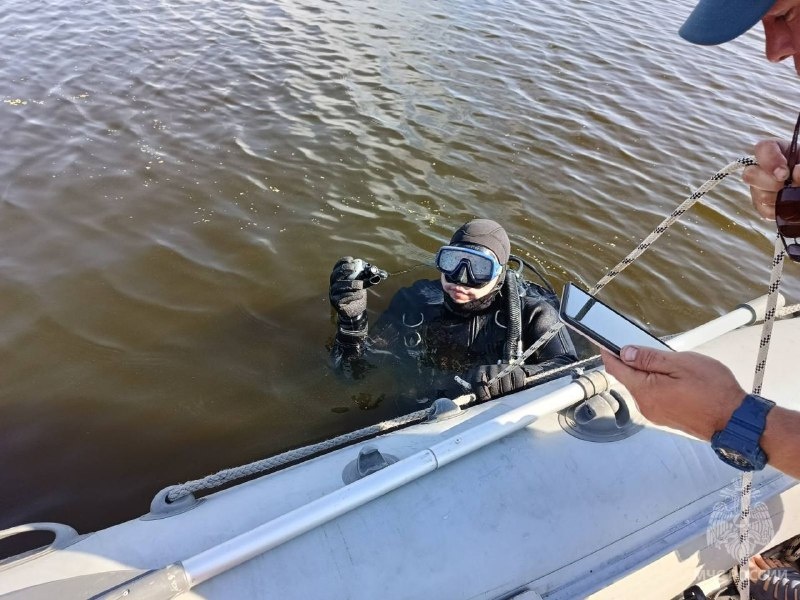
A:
<point x="178" y="178"/>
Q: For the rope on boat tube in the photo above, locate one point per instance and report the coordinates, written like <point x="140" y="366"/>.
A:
<point x="787" y="310"/>
<point x="227" y="475"/>
<point x="274" y="462"/>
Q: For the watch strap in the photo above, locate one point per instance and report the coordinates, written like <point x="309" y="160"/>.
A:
<point x="750" y="419"/>
<point x="742" y="434"/>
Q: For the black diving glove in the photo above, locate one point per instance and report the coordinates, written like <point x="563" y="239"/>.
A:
<point x="479" y="378"/>
<point x="347" y="294"/>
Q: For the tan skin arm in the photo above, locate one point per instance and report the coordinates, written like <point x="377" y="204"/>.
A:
<point x="781" y="440"/>
<point x="698" y="394"/>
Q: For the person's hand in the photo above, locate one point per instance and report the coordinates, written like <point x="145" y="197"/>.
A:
<point x="479" y="378"/>
<point x="682" y="390"/>
<point x="347" y="294"/>
<point x="769" y="176"/>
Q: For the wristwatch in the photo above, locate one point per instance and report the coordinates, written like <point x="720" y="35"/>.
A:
<point x="737" y="444"/>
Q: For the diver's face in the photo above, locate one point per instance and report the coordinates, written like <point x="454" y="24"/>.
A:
<point x="782" y="32"/>
<point x="462" y="294"/>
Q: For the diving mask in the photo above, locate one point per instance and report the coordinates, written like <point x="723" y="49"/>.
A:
<point x="467" y="266"/>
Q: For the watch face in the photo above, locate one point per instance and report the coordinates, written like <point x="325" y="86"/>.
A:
<point x="734" y="458"/>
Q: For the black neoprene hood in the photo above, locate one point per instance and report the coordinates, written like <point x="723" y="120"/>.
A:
<point x="486" y="233"/>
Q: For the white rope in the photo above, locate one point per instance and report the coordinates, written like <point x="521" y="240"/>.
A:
<point x="637" y="252"/>
<point x="787" y="310"/>
<point x="758" y="381"/>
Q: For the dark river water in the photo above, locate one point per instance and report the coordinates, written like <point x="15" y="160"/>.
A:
<point x="178" y="178"/>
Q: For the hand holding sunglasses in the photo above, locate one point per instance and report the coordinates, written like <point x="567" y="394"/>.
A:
<point x="787" y="205"/>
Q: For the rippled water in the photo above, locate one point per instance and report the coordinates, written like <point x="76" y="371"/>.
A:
<point x="179" y="177"/>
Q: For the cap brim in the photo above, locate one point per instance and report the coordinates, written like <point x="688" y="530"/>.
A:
<point x="718" y="21"/>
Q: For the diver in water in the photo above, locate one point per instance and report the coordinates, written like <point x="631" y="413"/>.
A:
<point x="472" y="321"/>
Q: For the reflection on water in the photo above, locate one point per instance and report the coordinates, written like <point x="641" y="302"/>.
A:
<point x="179" y="178"/>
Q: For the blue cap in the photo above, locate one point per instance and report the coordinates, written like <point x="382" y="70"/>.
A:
<point x="718" y="21"/>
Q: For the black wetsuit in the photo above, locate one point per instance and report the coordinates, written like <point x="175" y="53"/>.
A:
<point x="431" y="340"/>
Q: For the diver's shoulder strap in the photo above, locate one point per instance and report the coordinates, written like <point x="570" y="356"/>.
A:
<point x="537" y="292"/>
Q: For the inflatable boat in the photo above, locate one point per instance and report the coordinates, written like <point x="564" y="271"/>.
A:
<point x="553" y="492"/>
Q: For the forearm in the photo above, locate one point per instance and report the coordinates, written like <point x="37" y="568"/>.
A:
<point x="781" y="440"/>
<point x="698" y="394"/>
<point x="350" y="341"/>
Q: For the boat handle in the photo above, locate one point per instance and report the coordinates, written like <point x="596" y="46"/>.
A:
<point x="64" y="536"/>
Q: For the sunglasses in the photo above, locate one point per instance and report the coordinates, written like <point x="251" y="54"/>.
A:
<point x="787" y="205"/>
<point x="466" y="266"/>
